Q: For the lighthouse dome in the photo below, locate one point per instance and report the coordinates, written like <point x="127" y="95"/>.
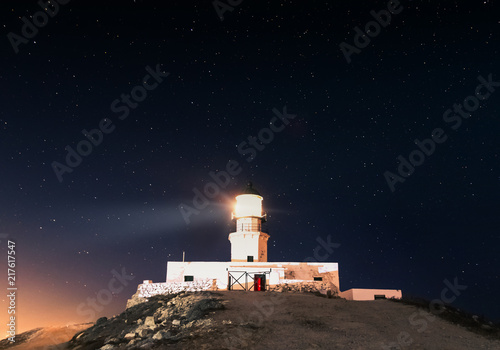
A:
<point x="250" y="189"/>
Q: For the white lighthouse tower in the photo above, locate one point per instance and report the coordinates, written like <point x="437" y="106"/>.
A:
<point x="249" y="243"/>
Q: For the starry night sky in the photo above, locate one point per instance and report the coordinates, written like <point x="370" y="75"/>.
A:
<point x="321" y="176"/>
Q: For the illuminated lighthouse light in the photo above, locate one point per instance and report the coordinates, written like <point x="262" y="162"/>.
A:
<point x="248" y="205"/>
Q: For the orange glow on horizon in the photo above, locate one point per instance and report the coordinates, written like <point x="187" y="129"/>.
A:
<point x="42" y="303"/>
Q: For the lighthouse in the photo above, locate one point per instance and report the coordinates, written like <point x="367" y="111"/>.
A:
<point x="248" y="242"/>
<point x="249" y="269"/>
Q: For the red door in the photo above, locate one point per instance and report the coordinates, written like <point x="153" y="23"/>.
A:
<point x="259" y="283"/>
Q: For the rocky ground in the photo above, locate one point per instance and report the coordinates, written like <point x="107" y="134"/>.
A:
<point x="271" y="320"/>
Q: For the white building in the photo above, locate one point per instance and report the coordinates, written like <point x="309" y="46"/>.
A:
<point x="249" y="268"/>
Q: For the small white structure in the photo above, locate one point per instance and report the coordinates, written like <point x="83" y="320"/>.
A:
<point x="249" y="268"/>
<point x="242" y="275"/>
<point x="370" y="294"/>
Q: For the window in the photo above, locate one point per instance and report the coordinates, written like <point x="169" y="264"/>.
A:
<point x="379" y="296"/>
<point x="318" y="278"/>
<point x="188" y="278"/>
<point x="250" y="258"/>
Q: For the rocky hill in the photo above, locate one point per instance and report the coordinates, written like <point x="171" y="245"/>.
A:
<point x="44" y="338"/>
<point x="271" y="320"/>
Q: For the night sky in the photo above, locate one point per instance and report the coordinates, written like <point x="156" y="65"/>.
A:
<point x="178" y="92"/>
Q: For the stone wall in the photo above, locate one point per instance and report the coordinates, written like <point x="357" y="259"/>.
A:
<point x="147" y="290"/>
<point x="326" y="288"/>
<point x="150" y="289"/>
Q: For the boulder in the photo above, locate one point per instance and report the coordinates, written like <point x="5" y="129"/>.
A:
<point x="149" y="321"/>
<point x="144" y="332"/>
<point x="161" y="335"/>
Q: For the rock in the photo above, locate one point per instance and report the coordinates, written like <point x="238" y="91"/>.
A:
<point x="149" y="321"/>
<point x="135" y="300"/>
<point x="107" y="347"/>
<point x="129" y="336"/>
<point x="133" y="342"/>
<point x="204" y="324"/>
<point x="161" y="335"/>
<point x="112" y="340"/>
<point x="142" y="325"/>
<point x="189" y="324"/>
<point x="164" y="314"/>
<point x="100" y="321"/>
<point x="144" y="344"/>
<point x="144" y="332"/>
